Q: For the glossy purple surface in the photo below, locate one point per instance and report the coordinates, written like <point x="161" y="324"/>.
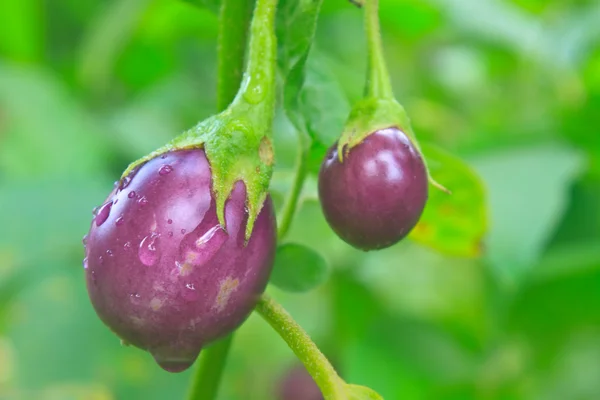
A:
<point x="160" y="270"/>
<point x="297" y="384"/>
<point x="377" y="194"/>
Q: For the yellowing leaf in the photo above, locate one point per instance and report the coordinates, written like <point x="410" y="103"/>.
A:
<point x="452" y="223"/>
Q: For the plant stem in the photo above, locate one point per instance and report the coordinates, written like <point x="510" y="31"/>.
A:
<point x="378" y="80"/>
<point x="208" y="373"/>
<point x="234" y="20"/>
<point x="291" y="202"/>
<point x="331" y="385"/>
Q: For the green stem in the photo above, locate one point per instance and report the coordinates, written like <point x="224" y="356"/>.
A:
<point x="208" y="373"/>
<point x="378" y="80"/>
<point x="291" y="202"/>
<point x="258" y="86"/>
<point x="331" y="385"/>
<point x="234" y="20"/>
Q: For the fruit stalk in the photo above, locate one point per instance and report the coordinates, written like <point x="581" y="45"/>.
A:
<point x="378" y="78"/>
<point x="331" y="385"/>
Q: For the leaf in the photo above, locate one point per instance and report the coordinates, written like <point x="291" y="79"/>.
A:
<point x="357" y="392"/>
<point x="295" y="26"/>
<point x="321" y="103"/>
<point x="313" y="101"/>
<point x="454" y="223"/>
<point x="528" y="191"/>
<point x="298" y="268"/>
<point x="212" y="5"/>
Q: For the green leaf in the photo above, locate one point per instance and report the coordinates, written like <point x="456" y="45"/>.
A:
<point x="321" y="103"/>
<point x="296" y="26"/>
<point x="298" y="268"/>
<point x="357" y="392"/>
<point x="528" y="193"/>
<point x="212" y="5"/>
<point x="310" y="87"/>
<point x="452" y="223"/>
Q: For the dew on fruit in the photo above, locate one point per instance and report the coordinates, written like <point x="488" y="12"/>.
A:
<point x="135" y="298"/>
<point x="202" y="240"/>
<point x="148" y="253"/>
<point x="169" y="221"/>
<point x="84" y="240"/>
<point x="119" y="221"/>
<point x="103" y="213"/>
<point x="131" y="194"/>
<point x="127" y="246"/>
<point x="125" y="182"/>
<point x="190" y="293"/>
<point x="85" y="263"/>
<point x="109" y="253"/>
<point x="143" y="201"/>
<point x="165" y="170"/>
<point x="173" y="365"/>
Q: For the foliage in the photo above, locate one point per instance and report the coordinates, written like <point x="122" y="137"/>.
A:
<point x="513" y="93"/>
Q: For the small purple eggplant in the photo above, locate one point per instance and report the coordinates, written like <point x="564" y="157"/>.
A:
<point x="375" y="196"/>
<point x="162" y="272"/>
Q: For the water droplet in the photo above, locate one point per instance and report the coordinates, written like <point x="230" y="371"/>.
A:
<point x="163" y="156"/>
<point x="165" y="169"/>
<point x="190" y="293"/>
<point x="100" y="260"/>
<point x="131" y="194"/>
<point x="183" y="231"/>
<point x="95" y="211"/>
<point x="135" y="298"/>
<point x="103" y="213"/>
<point x="109" y="253"/>
<point x="170" y="233"/>
<point x="85" y="263"/>
<point x="173" y="366"/>
<point x="94" y="278"/>
<point x="143" y="201"/>
<point x="115" y="184"/>
<point x="202" y="240"/>
<point x="84" y="240"/>
<point x="169" y="221"/>
<point x="127" y="246"/>
<point x="119" y="221"/>
<point x="125" y="181"/>
<point x="147" y="252"/>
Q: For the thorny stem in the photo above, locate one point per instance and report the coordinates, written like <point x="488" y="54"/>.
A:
<point x="331" y="385"/>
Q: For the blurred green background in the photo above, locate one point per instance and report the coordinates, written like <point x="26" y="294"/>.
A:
<point x="511" y="86"/>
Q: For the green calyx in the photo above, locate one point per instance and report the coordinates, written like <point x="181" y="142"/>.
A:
<point x="370" y="115"/>
<point x="237" y="141"/>
<point x="379" y="109"/>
